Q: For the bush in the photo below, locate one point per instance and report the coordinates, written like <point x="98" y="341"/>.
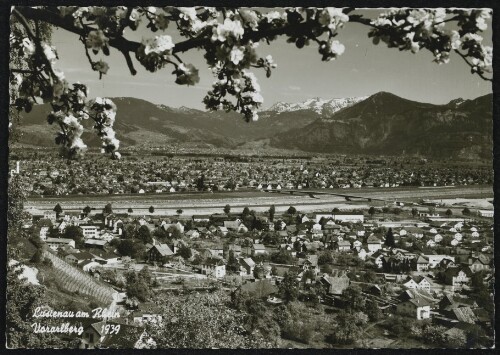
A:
<point x="298" y="331"/>
<point x="400" y="326"/>
<point x="47" y="262"/>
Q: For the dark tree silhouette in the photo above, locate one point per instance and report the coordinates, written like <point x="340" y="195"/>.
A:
<point x="87" y="210"/>
<point x="58" y="210"/>
<point x="272" y="211"/>
<point x="389" y="239"/>
<point x="107" y="209"/>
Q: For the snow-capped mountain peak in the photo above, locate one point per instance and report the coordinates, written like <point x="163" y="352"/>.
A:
<point x="318" y="105"/>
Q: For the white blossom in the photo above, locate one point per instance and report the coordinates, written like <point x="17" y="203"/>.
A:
<point x="337" y="48"/>
<point x="80" y="12"/>
<point x="269" y="61"/>
<point x="455" y="40"/>
<point x="237" y="54"/>
<point x="474" y="37"/>
<point x="78" y="144"/>
<point x="481" y="17"/>
<point x="229" y="29"/>
<point x="332" y="17"/>
<point x="250" y="18"/>
<point x="159" y="44"/>
<point x="59" y="74"/>
<point x="254" y="96"/>
<point x="188" y="13"/>
<point x="135" y="15"/>
<point x="49" y="53"/>
<point x="271" y="16"/>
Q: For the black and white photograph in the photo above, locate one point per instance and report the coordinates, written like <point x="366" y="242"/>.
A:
<point x="249" y="177"/>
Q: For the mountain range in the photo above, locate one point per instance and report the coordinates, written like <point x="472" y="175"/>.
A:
<point x="382" y="123"/>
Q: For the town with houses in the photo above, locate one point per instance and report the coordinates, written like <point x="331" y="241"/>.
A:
<point x="411" y="264"/>
<point x="155" y="174"/>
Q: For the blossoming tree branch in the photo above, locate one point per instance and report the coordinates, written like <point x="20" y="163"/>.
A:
<point x="229" y="38"/>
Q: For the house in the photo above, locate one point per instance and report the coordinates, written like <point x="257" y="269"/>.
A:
<point x="93" y="334"/>
<point x="360" y="231"/>
<point x="248" y="265"/>
<point x="56" y="243"/>
<point x="201" y="218"/>
<point x="302" y="218"/>
<point x="341" y="216"/>
<point x="258" y="249"/>
<point x="44" y="232"/>
<point x="335" y="285"/>
<point x="62" y="226"/>
<point x="158" y="252"/>
<point x="457" y="277"/>
<point x="236" y="249"/>
<point x="91" y="266"/>
<point x="434" y="260"/>
<point x="232" y="225"/>
<point x="450" y="301"/>
<point x="147" y="312"/>
<point x="462" y="314"/>
<point x="422" y="263"/>
<point x="377" y="259"/>
<point x="479" y="263"/>
<point x="222" y="230"/>
<point x="415" y="231"/>
<point x="374" y="244"/>
<point x="78" y="258"/>
<point x="242" y="228"/>
<point x="446" y="263"/>
<point x="317" y="227"/>
<point x="357" y="244"/>
<point x="217" y="250"/>
<point x="310" y="263"/>
<point x="95" y="243"/>
<point x="486" y="213"/>
<point x="418" y="283"/>
<point x="417" y="307"/>
<point x="213" y="267"/>
<point x="108" y="237"/>
<point x="344" y="245"/>
<point x="104" y="257"/>
<point x="50" y="215"/>
<point x="90" y="231"/>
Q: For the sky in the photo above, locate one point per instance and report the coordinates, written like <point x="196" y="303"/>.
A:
<point x="363" y="69"/>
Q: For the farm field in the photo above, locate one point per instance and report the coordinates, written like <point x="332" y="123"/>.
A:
<point x="208" y="203"/>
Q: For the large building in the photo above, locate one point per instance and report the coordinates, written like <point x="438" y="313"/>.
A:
<point x="341" y="217"/>
<point x="213" y="267"/>
<point x="90" y="231"/>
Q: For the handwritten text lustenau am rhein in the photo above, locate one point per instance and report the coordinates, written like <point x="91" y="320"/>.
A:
<point x="66" y="327"/>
